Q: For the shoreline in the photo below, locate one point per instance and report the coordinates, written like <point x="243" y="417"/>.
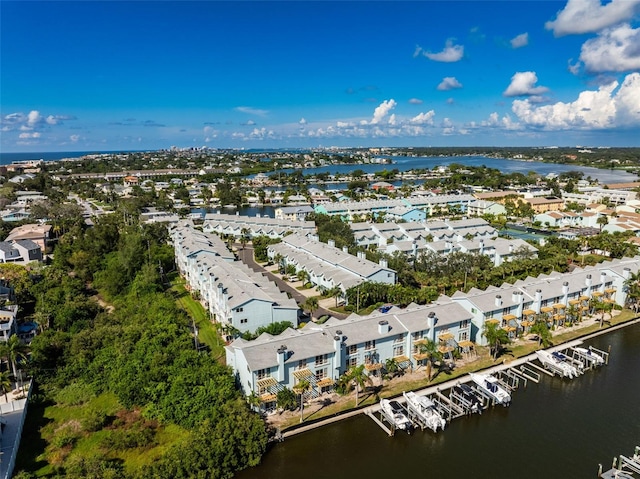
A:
<point x="349" y="413"/>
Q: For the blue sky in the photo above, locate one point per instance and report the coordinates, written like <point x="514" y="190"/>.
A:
<point x="144" y="75"/>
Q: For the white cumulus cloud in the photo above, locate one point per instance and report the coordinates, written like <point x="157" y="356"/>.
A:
<point x="585" y="16"/>
<point x="521" y="40"/>
<point x="613" y="50"/>
<point x="450" y="54"/>
<point x="25" y="135"/>
<point x="524" y="84"/>
<point x="607" y="107"/>
<point x="382" y="111"/>
<point x="415" y="101"/>
<point x="449" y="83"/>
<point x="423" y="118"/>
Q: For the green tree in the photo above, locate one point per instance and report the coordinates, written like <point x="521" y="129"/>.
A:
<point x="286" y="399"/>
<point x="358" y="377"/>
<point x="496" y="337"/>
<point x="301" y="388"/>
<point x="5" y="384"/>
<point x="430" y="350"/>
<point x="13" y="351"/>
<point x="311" y="304"/>
<point x="541" y="329"/>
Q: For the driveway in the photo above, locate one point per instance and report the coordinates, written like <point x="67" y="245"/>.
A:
<point x="246" y="256"/>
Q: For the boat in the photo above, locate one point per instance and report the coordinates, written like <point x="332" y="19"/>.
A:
<point x="426" y="410"/>
<point x="395" y="414"/>
<point x="469" y="397"/>
<point x="596" y="358"/>
<point x="557" y="361"/>
<point x="490" y="386"/>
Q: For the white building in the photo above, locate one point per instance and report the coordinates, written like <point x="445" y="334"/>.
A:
<point x="232" y="293"/>
<point x="328" y="266"/>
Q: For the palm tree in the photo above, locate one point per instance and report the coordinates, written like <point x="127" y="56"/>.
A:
<point x="303" y="276"/>
<point x="632" y="287"/>
<point x="544" y="334"/>
<point x="496" y="337"/>
<point x="244" y="236"/>
<point x="358" y="378"/>
<point x="430" y="349"/>
<point x="5" y="383"/>
<point x="13" y="351"/>
<point x="301" y="388"/>
<point x="391" y="367"/>
<point x="311" y="304"/>
<point x="335" y="292"/>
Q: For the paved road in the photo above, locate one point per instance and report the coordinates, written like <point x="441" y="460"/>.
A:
<point x="246" y="256"/>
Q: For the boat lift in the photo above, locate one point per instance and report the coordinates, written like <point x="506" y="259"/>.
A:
<point x="622" y="467"/>
<point x="589" y="360"/>
<point x="551" y="368"/>
<point x="462" y="403"/>
<point x="571" y="359"/>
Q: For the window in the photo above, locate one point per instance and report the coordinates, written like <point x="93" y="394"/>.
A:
<point x="302" y="364"/>
<point x="474" y="310"/>
<point x="239" y="310"/>
<point x="418" y="336"/>
<point x="321" y="374"/>
<point x="353" y="362"/>
<point x="323" y="359"/>
<point x="464" y="324"/>
<point x="370" y="345"/>
<point x="463" y="336"/>
<point x="263" y="373"/>
<point x="544" y="303"/>
<point x="398" y="350"/>
<point x="398" y="339"/>
<point x="353" y="349"/>
<point x="506" y="311"/>
<point x="244" y="321"/>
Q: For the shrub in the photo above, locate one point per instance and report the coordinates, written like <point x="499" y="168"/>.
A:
<point x="74" y="394"/>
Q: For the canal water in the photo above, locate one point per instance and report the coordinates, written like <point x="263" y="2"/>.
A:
<point x="502" y="164"/>
<point x="555" y="429"/>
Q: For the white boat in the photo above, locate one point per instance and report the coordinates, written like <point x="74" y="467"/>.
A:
<point x="596" y="358"/>
<point x="395" y="414"/>
<point x="557" y="361"/>
<point x="426" y="410"/>
<point x="490" y="386"/>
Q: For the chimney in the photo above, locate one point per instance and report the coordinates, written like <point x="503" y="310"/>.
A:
<point x="331" y="243"/>
<point x="448" y="245"/>
<point x="481" y="246"/>
<point x="383" y="263"/>
<point x="588" y="283"/>
<point x="603" y="280"/>
<point x="258" y="215"/>
<point x="383" y="327"/>
<point x="538" y="300"/>
<point x="565" y="293"/>
<point x="498" y="300"/>
<point x="520" y="302"/>
<point x="337" y="346"/>
<point x="282" y="356"/>
<point x="431" y="320"/>
<point x="510" y="248"/>
<point x="626" y="273"/>
<point x="345" y="249"/>
<point x="362" y="255"/>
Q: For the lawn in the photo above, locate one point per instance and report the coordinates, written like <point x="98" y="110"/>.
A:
<point x="207" y="333"/>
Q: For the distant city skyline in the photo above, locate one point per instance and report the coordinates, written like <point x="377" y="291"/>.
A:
<point x="155" y="74"/>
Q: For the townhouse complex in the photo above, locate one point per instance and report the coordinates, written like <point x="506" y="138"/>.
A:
<point x="233" y="293"/>
<point x="327" y="266"/>
<point x="321" y="353"/>
<point x="238" y="226"/>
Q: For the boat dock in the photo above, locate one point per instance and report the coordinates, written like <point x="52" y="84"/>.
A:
<point x="509" y="376"/>
<point x="623" y="467"/>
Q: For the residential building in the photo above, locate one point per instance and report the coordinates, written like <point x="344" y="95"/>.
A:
<point x="232" y="292"/>
<point x="40" y="234"/>
<point x="322" y="353"/>
<point x="237" y="225"/>
<point x="293" y="213"/>
<point x="21" y="251"/>
<point x="328" y="266"/>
